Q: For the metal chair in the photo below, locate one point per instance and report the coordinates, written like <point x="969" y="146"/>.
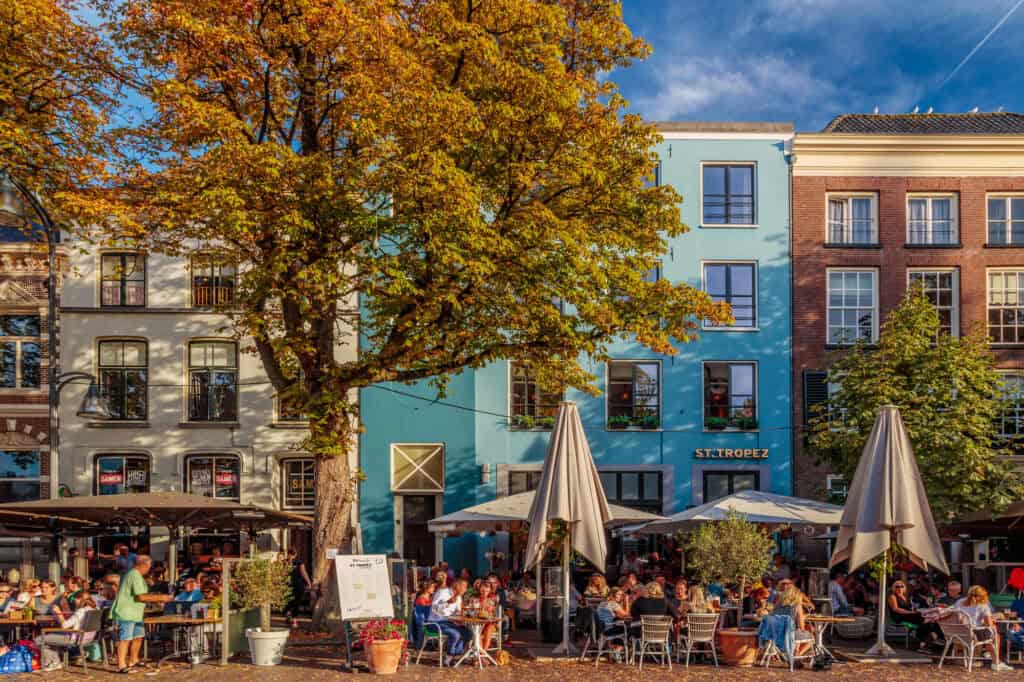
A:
<point x="654" y="636"/>
<point x="894" y="630"/>
<point x="700" y="631"/>
<point x="597" y="636"/>
<point x="962" y="636"/>
<point x="78" y="638"/>
<point x="427" y="632"/>
<point x="771" y="651"/>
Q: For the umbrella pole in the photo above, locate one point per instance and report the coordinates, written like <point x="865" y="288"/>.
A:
<point x="538" y="591"/>
<point x="881" y="648"/>
<point x="172" y="560"/>
<point x="566" y="648"/>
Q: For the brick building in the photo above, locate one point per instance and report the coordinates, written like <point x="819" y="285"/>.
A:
<point x="882" y="200"/>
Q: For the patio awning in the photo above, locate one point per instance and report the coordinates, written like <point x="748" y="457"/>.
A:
<point x="757" y="507"/>
<point x="500" y="514"/>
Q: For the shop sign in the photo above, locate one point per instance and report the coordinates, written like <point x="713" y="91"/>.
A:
<point x="136" y="477"/>
<point x="731" y="453"/>
<point x="111" y="478"/>
<point x="226" y="478"/>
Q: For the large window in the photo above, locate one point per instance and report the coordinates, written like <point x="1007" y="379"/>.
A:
<point x="21" y="348"/>
<point x="852" y="306"/>
<point x="635" y="489"/>
<point x="728" y="194"/>
<point x="123" y="279"/>
<point x="719" y="484"/>
<point x="213" y="381"/>
<point x="523" y="481"/>
<point x="298" y="477"/>
<point x="932" y="220"/>
<point x="216" y="476"/>
<point x="634" y="394"/>
<point x="852" y="220"/>
<point x="213" y="281"/>
<point x="117" y="474"/>
<point x="1006" y="306"/>
<point x="735" y="284"/>
<point x="1011" y="417"/>
<point x="1005" y="220"/>
<point x="941" y="288"/>
<point x="531" y="407"/>
<point x="730" y="395"/>
<point x="123" y="375"/>
<point x="19" y="475"/>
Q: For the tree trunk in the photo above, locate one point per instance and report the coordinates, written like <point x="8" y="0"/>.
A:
<point x="265" y="618"/>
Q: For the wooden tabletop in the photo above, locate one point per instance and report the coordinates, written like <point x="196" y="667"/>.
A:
<point x="179" y="620"/>
<point x="831" y="619"/>
<point x="475" y="621"/>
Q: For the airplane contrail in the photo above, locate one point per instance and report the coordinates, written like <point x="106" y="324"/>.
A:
<point x="981" y="43"/>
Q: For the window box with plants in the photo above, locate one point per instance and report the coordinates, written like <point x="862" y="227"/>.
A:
<point x="526" y="422"/>
<point x="647" y="422"/>
<point x="744" y="423"/>
<point x="716" y="423"/>
<point x="619" y="422"/>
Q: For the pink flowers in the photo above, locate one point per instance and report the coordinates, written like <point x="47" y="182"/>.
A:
<point x="383" y="629"/>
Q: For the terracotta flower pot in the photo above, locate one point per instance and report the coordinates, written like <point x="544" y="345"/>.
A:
<point x="738" y="645"/>
<point x="385" y="655"/>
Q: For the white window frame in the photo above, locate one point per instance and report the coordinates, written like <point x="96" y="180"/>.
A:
<point x="1003" y="375"/>
<point x="1006" y="197"/>
<point x="285" y="478"/>
<point x="954" y="214"/>
<point x="40" y="479"/>
<point x="955" y="310"/>
<point x="989" y="308"/>
<point x="705" y="325"/>
<point x="874" y="303"/>
<point x="753" y="211"/>
<point x="757" y="393"/>
<point x="661" y="391"/>
<point x="848" y="197"/>
<point x="830" y="478"/>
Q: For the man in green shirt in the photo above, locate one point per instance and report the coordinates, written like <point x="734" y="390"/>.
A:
<point x="128" y="612"/>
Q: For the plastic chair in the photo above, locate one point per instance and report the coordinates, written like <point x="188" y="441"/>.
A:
<point x="654" y="636"/>
<point x="78" y="638"/>
<point x="961" y="635"/>
<point x="700" y="631"/>
<point x="427" y="632"/>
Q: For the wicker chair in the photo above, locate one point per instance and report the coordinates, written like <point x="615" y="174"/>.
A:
<point x="655" y="632"/>
<point x="700" y="631"/>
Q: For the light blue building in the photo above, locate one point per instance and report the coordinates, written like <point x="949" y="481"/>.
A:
<point x="712" y="420"/>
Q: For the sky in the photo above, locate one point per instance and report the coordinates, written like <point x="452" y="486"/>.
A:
<point x="806" y="61"/>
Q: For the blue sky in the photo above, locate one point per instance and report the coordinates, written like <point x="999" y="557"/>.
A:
<point x="804" y="61"/>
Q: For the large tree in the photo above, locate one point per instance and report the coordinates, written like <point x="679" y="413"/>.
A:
<point x="439" y="174"/>
<point x="948" y="392"/>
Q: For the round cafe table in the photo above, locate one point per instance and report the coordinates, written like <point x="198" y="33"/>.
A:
<point x="477" y="648"/>
<point x="820" y="624"/>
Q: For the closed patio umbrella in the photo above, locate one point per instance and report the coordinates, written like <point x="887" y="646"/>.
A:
<point x="569" y="490"/>
<point x="887" y="506"/>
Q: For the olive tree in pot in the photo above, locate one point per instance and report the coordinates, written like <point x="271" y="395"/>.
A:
<point x="263" y="584"/>
<point x="732" y="551"/>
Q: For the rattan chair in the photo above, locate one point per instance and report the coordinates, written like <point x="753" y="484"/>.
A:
<point x="700" y="631"/>
<point x="655" y="632"/>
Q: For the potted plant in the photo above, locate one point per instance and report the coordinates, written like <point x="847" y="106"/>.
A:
<point x="263" y="584"/>
<point x="648" y="421"/>
<point x="546" y="422"/>
<point x="523" y="421"/>
<point x="384" y="640"/>
<point x="715" y="423"/>
<point x="619" y="422"/>
<point x="732" y="551"/>
<point x="746" y="423"/>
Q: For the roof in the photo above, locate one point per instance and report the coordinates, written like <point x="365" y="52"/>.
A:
<point x="971" y="123"/>
<point x="723" y="127"/>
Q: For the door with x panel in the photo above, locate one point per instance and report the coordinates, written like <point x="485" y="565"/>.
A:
<point x="417" y="482"/>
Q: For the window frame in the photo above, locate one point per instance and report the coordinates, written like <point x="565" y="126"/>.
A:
<point x="830" y="478"/>
<point x="19" y="342"/>
<point x="954" y="215"/>
<point x="711" y="327"/>
<point x="1019" y="377"/>
<point x="607" y="392"/>
<point x="1007" y="198"/>
<point x="100" y="368"/>
<point x="210" y="265"/>
<point x="732" y="474"/>
<point x="514" y="418"/>
<point x="37" y="480"/>
<point x="122" y="279"/>
<point x="124" y="457"/>
<point x="704" y="393"/>
<point x="955" y="308"/>
<point x="875" y="306"/>
<point x="286" y="479"/>
<point x="988" y="306"/>
<point x="210" y="369"/>
<point x="848" y="197"/>
<point x="213" y="457"/>
<point x="753" y="195"/>
<point x="642" y="502"/>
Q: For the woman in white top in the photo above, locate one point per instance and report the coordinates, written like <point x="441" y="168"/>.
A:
<point x="48" y="657"/>
<point x="978" y="610"/>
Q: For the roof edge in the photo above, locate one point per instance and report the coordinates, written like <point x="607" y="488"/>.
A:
<point x="723" y="127"/>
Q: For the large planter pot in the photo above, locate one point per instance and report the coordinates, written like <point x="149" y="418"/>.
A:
<point x="738" y="645"/>
<point x="384" y="655"/>
<point x="267" y="647"/>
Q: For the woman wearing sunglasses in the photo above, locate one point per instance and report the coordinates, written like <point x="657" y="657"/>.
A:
<point x="902" y="612"/>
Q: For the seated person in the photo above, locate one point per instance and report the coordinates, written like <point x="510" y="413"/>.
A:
<point x="48" y="603"/>
<point x="612" y="610"/>
<point x="954" y="591"/>
<point x="447" y="605"/>
<point x="903" y="612"/>
<point x="49" y="659"/>
<point x="837" y="596"/>
<point x="8" y="599"/>
<point x="975" y="606"/>
<point x="190" y="591"/>
<point x="791" y="603"/>
<point x="651" y="603"/>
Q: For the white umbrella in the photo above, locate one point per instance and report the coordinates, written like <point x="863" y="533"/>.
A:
<point x="757" y="507"/>
<point x="569" y="490"/>
<point x="887" y="505"/>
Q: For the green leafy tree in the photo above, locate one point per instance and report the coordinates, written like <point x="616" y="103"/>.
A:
<point x="261" y="584"/>
<point x="730" y="551"/>
<point x="948" y="392"/>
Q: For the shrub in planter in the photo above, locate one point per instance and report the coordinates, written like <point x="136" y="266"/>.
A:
<point x="263" y="584"/>
<point x="746" y="423"/>
<point x="523" y="421"/>
<point x="619" y="422"/>
<point x="648" y="421"/>
<point x="384" y="642"/>
<point x="716" y="423"/>
<point x="546" y="422"/>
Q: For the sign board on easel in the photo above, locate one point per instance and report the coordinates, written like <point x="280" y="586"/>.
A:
<point x="364" y="586"/>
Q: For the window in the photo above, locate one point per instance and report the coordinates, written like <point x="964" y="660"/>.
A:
<point x="523" y="481"/>
<point x="123" y="378"/>
<point x="289" y="409"/>
<point x="417" y="468"/>
<point x="213" y="281"/>
<point x="728" y="194"/>
<point x="931" y="220"/>
<point x="852" y="306"/>
<point x="836" y="487"/>
<point x="852" y="220"/>
<point x="1006" y="306"/>
<point x="530" y="405"/>
<point x="730" y="395"/>
<point x="299" y="478"/>
<point x="634" y="394"/>
<point x="735" y="284"/>
<point x="634" y="489"/>
<point x="117" y="474"/>
<point x="217" y="476"/>
<point x="22" y="351"/>
<point x="942" y="289"/>
<point x="719" y="484"/>
<point x="19" y="475"/>
<point x="1011" y="418"/>
<point x="1005" y="220"/>
<point x="816" y="392"/>
<point x="123" y="279"/>
<point x="212" y="381"/>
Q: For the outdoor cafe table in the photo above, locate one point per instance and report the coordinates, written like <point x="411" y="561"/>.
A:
<point x="821" y="624"/>
<point x="477" y="647"/>
<point x="1006" y="624"/>
<point x="189" y="638"/>
<point x="18" y="623"/>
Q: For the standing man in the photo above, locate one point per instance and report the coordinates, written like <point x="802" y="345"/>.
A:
<point x="125" y="559"/>
<point x="128" y="612"/>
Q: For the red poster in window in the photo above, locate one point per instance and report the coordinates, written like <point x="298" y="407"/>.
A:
<point x="226" y="478"/>
<point x="111" y="478"/>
